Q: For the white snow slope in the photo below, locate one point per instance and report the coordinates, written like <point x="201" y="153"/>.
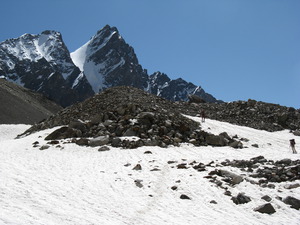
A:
<point x="70" y="184"/>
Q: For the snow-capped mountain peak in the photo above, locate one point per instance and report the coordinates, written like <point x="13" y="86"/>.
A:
<point x="104" y="56"/>
<point x="33" y="47"/>
<point x="43" y="63"/>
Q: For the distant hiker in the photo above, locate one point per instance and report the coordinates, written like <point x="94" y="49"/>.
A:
<point x="292" y="144"/>
<point x="202" y="115"/>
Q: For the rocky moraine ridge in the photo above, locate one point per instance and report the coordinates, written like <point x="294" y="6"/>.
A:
<point x="251" y="113"/>
<point x="118" y="112"/>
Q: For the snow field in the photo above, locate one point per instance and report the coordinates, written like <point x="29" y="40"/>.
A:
<point x="70" y="184"/>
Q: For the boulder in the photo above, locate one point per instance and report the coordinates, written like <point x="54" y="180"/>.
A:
<point x="138" y="183"/>
<point x="137" y="167"/>
<point x="225" y="135"/>
<point x="296" y="132"/>
<point x="241" y="198"/>
<point x="78" y="125"/>
<point x="44" y="147"/>
<point x="266" y="198"/>
<point x="265" y="208"/>
<point x="215" y="140"/>
<point x="291" y="186"/>
<point x="130" y="132"/>
<point x="183" y="196"/>
<point x="293" y="202"/>
<point x="63" y="133"/>
<point x="236" y="144"/>
<point x="82" y="141"/>
<point x="174" y="188"/>
<point x="284" y="162"/>
<point x="99" y="141"/>
<point x="103" y="149"/>
<point x="235" y="178"/>
<point x="116" y="142"/>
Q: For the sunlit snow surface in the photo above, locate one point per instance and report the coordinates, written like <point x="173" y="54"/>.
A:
<point x="79" y="185"/>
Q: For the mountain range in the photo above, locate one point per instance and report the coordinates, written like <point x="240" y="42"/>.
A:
<point x="44" y="64"/>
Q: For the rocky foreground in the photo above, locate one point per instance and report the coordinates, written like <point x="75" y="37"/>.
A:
<point x="127" y="117"/>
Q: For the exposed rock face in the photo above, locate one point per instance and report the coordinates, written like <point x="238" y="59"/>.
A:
<point x="108" y="61"/>
<point x="127" y="112"/>
<point x="176" y="90"/>
<point x="20" y="105"/>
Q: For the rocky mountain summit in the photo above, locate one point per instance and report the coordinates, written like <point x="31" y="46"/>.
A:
<point x="44" y="64"/>
<point x="119" y="112"/>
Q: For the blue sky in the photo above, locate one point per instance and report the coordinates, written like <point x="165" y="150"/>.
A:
<point x="234" y="49"/>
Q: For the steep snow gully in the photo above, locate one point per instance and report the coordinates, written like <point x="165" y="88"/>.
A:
<point x="70" y="184"/>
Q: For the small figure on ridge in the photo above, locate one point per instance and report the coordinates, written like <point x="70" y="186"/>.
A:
<point x="292" y="144"/>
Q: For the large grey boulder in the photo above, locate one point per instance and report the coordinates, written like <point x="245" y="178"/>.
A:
<point x="235" y="178"/>
<point x="293" y="202"/>
<point x="215" y="140"/>
<point x="241" y="198"/>
<point x="99" y="141"/>
<point x="63" y="133"/>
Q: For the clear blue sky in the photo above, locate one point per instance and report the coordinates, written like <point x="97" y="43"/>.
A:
<point x="234" y="49"/>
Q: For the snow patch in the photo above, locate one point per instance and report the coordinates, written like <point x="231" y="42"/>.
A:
<point x="79" y="56"/>
<point x="80" y="76"/>
<point x="74" y="184"/>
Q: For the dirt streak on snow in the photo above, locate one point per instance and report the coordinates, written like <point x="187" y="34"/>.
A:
<point x="79" y="185"/>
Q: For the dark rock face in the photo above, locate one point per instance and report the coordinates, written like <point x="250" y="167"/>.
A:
<point x="176" y="90"/>
<point x="119" y="64"/>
